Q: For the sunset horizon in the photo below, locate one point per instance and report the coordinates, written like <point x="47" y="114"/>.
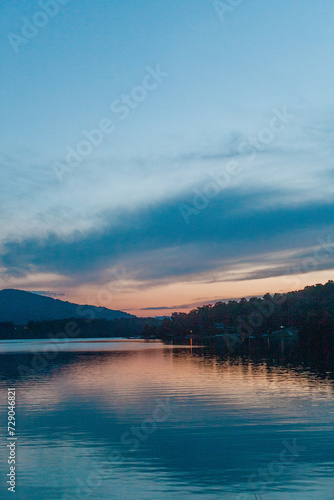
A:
<point x="167" y="250"/>
<point x="103" y="298"/>
<point x="155" y="168"/>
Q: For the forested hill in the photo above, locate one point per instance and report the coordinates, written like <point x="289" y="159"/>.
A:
<point x="20" y="307"/>
<point x="310" y="310"/>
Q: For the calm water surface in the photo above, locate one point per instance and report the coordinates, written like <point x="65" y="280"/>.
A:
<point x="143" y="421"/>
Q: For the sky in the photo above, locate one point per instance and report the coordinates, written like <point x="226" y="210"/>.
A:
<point x="157" y="156"/>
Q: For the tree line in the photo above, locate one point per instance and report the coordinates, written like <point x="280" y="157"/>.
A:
<point x="310" y="310"/>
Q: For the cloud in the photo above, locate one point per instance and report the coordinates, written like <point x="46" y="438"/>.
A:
<point x="197" y="303"/>
<point x="278" y="203"/>
<point x="165" y="308"/>
<point x="162" y="308"/>
<point x="47" y="294"/>
<point x="297" y="164"/>
<point x="234" y="238"/>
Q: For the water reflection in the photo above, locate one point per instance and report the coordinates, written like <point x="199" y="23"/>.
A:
<point x="170" y="424"/>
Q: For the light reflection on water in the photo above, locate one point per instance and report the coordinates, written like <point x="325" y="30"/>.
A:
<point x="164" y="423"/>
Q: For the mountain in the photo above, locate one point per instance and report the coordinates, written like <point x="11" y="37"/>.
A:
<point x="19" y="307"/>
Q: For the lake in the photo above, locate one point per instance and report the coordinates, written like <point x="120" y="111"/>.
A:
<point x="140" y="421"/>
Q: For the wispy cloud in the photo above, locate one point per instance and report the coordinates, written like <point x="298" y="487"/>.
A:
<point x="165" y="308"/>
<point x="280" y="203"/>
<point x="48" y="294"/>
<point x="156" y="248"/>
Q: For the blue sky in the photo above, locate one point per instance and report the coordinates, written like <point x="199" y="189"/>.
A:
<point x="214" y="181"/>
